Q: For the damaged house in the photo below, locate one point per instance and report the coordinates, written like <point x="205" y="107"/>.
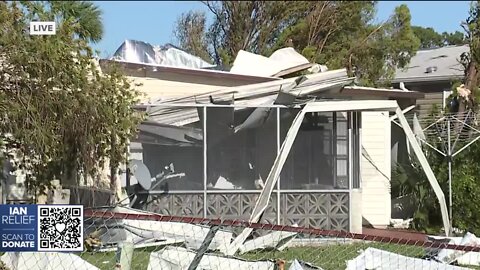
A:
<point x="260" y="142"/>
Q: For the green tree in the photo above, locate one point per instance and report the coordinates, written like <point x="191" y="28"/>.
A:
<point x="336" y="33"/>
<point x="237" y="25"/>
<point x="456" y="38"/>
<point x="470" y="60"/>
<point x="429" y="38"/>
<point x="386" y="48"/>
<point x="349" y="38"/>
<point x="191" y="33"/>
<point x="60" y="113"/>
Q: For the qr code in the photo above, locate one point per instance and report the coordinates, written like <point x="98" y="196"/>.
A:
<point x="60" y="228"/>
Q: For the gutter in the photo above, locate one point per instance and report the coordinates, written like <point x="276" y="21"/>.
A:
<point x="428" y="79"/>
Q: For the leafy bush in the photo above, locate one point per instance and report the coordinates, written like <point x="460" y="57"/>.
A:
<point x="410" y="179"/>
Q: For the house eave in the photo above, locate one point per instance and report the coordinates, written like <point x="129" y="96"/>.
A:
<point x="355" y="91"/>
<point x="206" y="73"/>
<point x="429" y="79"/>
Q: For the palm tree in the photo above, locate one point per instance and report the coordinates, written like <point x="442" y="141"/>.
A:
<point x="84" y="14"/>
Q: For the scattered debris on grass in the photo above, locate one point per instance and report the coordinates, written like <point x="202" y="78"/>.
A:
<point x="373" y="258"/>
<point x="178" y="258"/>
<point x="277" y="240"/>
<point x="44" y="261"/>
<point x="140" y="232"/>
<point x="461" y="257"/>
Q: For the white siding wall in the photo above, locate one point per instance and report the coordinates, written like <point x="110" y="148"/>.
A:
<point x="376" y="168"/>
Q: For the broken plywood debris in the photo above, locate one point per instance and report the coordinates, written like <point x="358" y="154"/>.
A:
<point x="177" y="258"/>
<point x="44" y="261"/>
<point x="461" y="257"/>
<point x="373" y="258"/>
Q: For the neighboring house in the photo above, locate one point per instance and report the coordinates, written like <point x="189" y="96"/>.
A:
<point x="432" y="72"/>
<point x="328" y="181"/>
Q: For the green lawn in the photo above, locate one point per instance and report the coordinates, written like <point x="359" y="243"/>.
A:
<point x="331" y="257"/>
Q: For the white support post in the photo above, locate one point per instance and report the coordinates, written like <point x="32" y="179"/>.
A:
<point x="271" y="181"/>
<point x="205" y="160"/>
<point x="278" y="151"/>
<point x="427" y="169"/>
<point x="406" y="110"/>
<point x="124" y="255"/>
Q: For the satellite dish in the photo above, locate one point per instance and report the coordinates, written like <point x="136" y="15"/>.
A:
<point x="141" y="173"/>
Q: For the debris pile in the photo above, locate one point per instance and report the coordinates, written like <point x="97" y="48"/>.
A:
<point x="44" y="261"/>
<point x="461" y="257"/>
<point x="373" y="258"/>
<point x="176" y="258"/>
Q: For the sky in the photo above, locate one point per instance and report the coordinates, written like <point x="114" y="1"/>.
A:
<point x="153" y="21"/>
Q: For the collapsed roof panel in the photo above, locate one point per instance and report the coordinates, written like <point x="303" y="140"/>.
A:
<point x="157" y="133"/>
<point x="282" y="62"/>
<point x="260" y="94"/>
<point x="141" y="52"/>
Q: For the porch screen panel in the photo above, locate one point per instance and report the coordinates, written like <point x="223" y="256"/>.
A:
<point x="310" y="164"/>
<point x="341" y="153"/>
<point x="356" y="148"/>
<point x="172" y="143"/>
<point x="241" y="148"/>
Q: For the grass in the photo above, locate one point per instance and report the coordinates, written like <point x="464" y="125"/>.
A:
<point x="106" y="260"/>
<point x="331" y="257"/>
<point x="328" y="257"/>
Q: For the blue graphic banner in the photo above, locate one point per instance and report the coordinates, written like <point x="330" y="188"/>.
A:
<point x="41" y="227"/>
<point x="18" y="227"/>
